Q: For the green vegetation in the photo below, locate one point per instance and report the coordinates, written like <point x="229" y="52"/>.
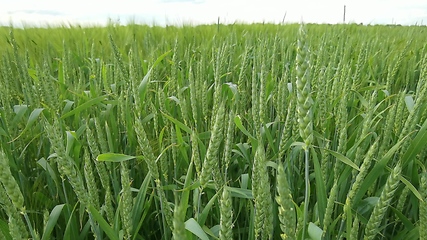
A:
<point x="213" y="132"/>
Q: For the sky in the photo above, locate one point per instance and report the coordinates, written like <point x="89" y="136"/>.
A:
<point x="170" y="12"/>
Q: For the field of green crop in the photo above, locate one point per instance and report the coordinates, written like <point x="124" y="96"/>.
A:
<point x="213" y="132"/>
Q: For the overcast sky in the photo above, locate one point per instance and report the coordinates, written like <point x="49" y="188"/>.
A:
<point x="161" y="12"/>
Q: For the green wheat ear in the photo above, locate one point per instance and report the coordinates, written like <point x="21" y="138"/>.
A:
<point x="329" y="208"/>
<point x="304" y="111"/>
<point x="423" y="206"/>
<point x="303" y="86"/>
<point x="211" y="158"/>
<point x="127" y="200"/>
<point x="226" y="220"/>
<point x="286" y="206"/>
<point x="66" y="166"/>
<point x="16" y="225"/>
<point x="381" y="207"/>
<point x="263" y="219"/>
<point x="9" y="182"/>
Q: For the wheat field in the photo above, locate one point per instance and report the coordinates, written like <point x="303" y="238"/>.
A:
<point x="259" y="131"/>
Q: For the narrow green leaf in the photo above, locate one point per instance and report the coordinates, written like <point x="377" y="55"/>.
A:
<point x="272" y="164"/>
<point x="314" y="231"/>
<point x="84" y="106"/>
<point x="233" y="93"/>
<point x="69" y="104"/>
<point x="204" y="215"/>
<point x="4" y="228"/>
<point x="72" y="229"/>
<point x="103" y="224"/>
<point x="114" y="157"/>
<point x="61" y="73"/>
<point x="175" y="99"/>
<point x="407" y="222"/>
<point x="363" y="101"/>
<point x="213" y="231"/>
<point x="411" y="187"/>
<point x="376" y="171"/>
<point x="351" y="152"/>
<point x="147" y="118"/>
<point x="143" y="86"/>
<point x="186" y="193"/>
<point x="244" y="182"/>
<point x="52" y="220"/>
<point x="193" y="226"/>
<point x="181" y="144"/>
<point x="239" y="125"/>
<point x="178" y="123"/>
<point x="19" y="110"/>
<point x="2" y="132"/>
<point x="138" y="207"/>
<point x="33" y="116"/>
<point x="71" y="137"/>
<point x="298" y="144"/>
<point x="409" y="100"/>
<point x="240" y="193"/>
<point x="343" y="159"/>
<point x="46" y="166"/>
<point x="31" y="119"/>
<point x="320" y="187"/>
<point x="269" y="136"/>
<point x="417" y="145"/>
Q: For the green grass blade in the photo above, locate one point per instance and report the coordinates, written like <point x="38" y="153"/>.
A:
<point x="4" y="228"/>
<point x="238" y="122"/>
<point x="143" y="86"/>
<point x="204" y="215"/>
<point x="138" y="207"/>
<point x="343" y="159"/>
<point x="3" y="132"/>
<point x="52" y="220"/>
<point x="103" y="224"/>
<point x="114" y="157"/>
<point x="31" y="119"/>
<point x="84" y="106"/>
<point x="71" y="230"/>
<point x="240" y="193"/>
<point x="320" y="187"/>
<point x="376" y="171"/>
<point x="411" y="187"/>
<point x="19" y="110"/>
<point x="417" y="145"/>
<point x="314" y="231"/>
<point x="193" y="226"/>
<point x="270" y="138"/>
<point x="186" y="192"/>
<point x="178" y="123"/>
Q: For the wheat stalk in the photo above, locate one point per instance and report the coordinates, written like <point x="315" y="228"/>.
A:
<point x="179" y="231"/>
<point x="304" y="109"/>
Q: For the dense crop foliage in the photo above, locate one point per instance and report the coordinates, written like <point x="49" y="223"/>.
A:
<point x="213" y="132"/>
